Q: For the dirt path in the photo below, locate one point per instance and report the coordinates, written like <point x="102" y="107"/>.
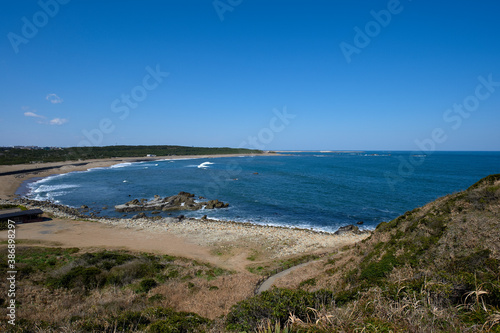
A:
<point x="270" y="281"/>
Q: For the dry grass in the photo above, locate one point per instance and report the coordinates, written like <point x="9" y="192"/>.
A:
<point x="209" y="299"/>
<point x="192" y="289"/>
<point x="374" y="312"/>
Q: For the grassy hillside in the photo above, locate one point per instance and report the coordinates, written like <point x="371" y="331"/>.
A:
<point x="434" y="269"/>
<point x="70" y="290"/>
<point x="19" y="156"/>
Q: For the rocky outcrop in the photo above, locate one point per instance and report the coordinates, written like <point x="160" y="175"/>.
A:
<point x="139" y="216"/>
<point x="350" y="229"/>
<point x="48" y="206"/>
<point x="181" y="201"/>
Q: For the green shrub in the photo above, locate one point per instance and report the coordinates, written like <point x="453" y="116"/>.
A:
<point x="375" y="271"/>
<point x="177" y="322"/>
<point x="275" y="305"/>
<point x="147" y="284"/>
<point x="156" y="298"/>
<point x="173" y="274"/>
<point x="78" y="277"/>
<point x="4" y="225"/>
<point x="43" y="259"/>
<point x="106" y="259"/>
<point x="130" y="321"/>
<point x="308" y="282"/>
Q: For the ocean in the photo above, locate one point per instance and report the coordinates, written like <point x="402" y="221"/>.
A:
<point x="318" y="190"/>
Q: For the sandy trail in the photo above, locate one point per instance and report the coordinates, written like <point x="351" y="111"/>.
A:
<point x="270" y="280"/>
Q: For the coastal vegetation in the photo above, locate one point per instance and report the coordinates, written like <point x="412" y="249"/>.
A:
<point x="10" y="156"/>
<point x="433" y="269"/>
<point x="106" y="291"/>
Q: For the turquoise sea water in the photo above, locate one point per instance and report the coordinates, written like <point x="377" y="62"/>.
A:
<point x="313" y="190"/>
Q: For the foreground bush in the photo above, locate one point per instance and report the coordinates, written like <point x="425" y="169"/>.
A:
<point x="275" y="306"/>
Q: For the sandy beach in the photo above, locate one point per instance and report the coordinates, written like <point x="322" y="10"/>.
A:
<point x="227" y="244"/>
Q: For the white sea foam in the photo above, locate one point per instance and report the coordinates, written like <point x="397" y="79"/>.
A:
<point x="121" y="165"/>
<point x="204" y="165"/>
<point x="46" y="179"/>
<point x="170" y="160"/>
<point x="53" y="188"/>
<point x="94" y="169"/>
<point x="48" y="196"/>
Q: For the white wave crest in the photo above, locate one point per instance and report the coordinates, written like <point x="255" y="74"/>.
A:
<point x="53" y="188"/>
<point x="121" y="165"/>
<point x="204" y="165"/>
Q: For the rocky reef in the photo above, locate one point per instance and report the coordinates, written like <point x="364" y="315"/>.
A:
<point x="181" y="201"/>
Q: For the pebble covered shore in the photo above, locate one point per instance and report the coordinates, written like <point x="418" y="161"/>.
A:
<point x="277" y="241"/>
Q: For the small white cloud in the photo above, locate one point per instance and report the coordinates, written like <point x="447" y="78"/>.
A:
<point x="58" y="121"/>
<point x="33" y="114"/>
<point x="54" y="99"/>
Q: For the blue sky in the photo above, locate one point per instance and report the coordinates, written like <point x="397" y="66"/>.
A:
<point x="325" y="75"/>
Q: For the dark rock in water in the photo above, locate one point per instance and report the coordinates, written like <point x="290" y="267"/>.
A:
<point x="155" y="212"/>
<point x="212" y="204"/>
<point x="139" y="216"/>
<point x="181" y="201"/>
<point x="360" y="222"/>
<point x="204" y="217"/>
<point x="84" y="207"/>
<point x="133" y="202"/>
<point x="201" y="198"/>
<point x="255" y="173"/>
<point x="105" y="207"/>
<point x="348" y="229"/>
<point x="181" y="217"/>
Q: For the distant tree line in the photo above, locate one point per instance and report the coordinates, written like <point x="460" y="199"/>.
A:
<point x="21" y="156"/>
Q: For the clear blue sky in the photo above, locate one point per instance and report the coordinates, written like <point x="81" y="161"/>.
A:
<point x="230" y="63"/>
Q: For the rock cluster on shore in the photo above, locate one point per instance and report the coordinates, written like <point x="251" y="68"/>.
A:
<point x="350" y="229"/>
<point x="181" y="201"/>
